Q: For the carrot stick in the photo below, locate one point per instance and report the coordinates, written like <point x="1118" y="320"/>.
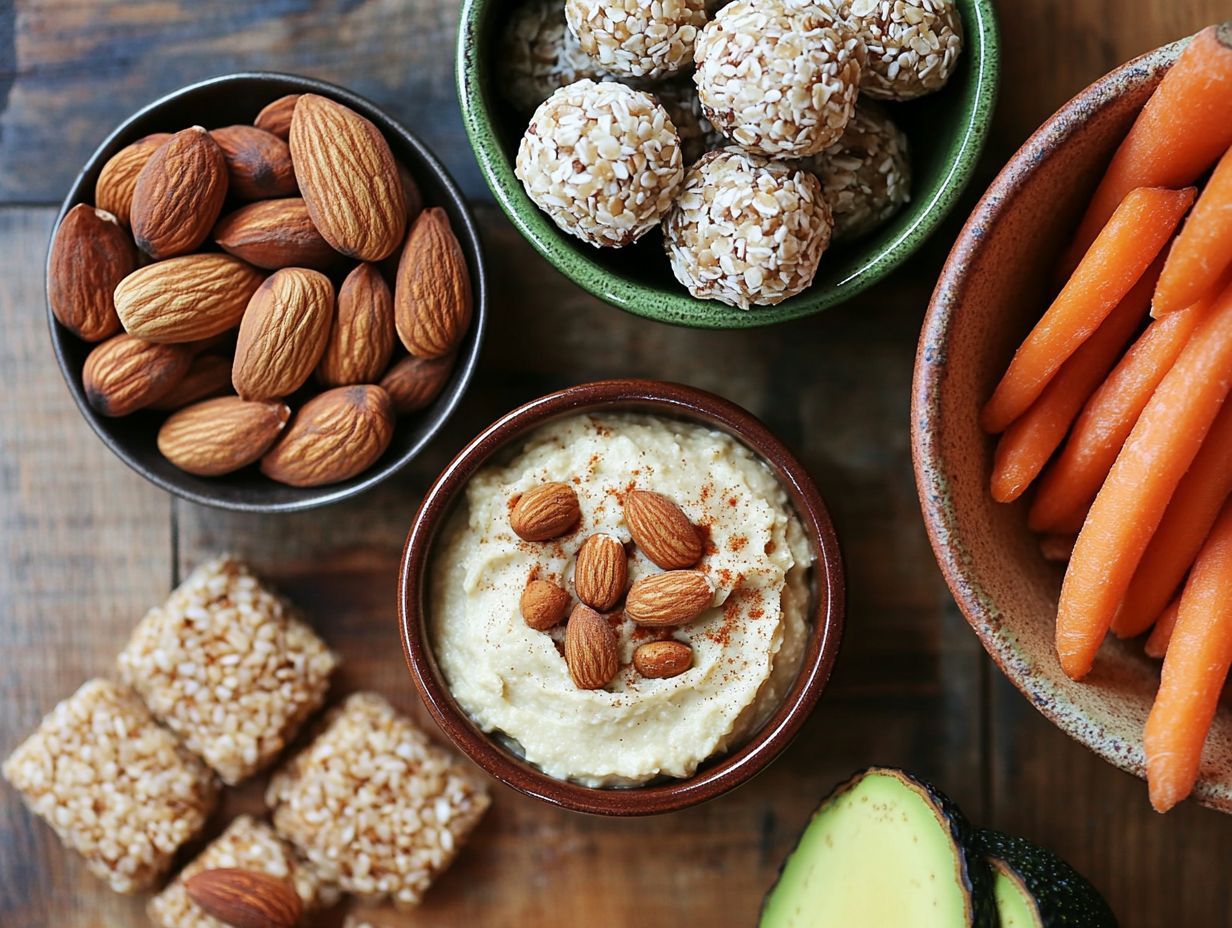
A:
<point x="1185" y="127"/>
<point x="1132" y="501"/>
<point x="1203" y="249"/>
<point x="1135" y="234"/>
<point x="1068" y="487"/>
<point x="1057" y="548"/>
<point x="1187" y="521"/>
<point x="1195" y="667"/>
<point x="1157" y="644"/>
<point x="1027" y="445"/>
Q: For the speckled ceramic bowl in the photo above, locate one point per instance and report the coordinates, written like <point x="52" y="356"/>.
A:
<point x="946" y="131"/>
<point x="715" y="777"/>
<point x="990" y="294"/>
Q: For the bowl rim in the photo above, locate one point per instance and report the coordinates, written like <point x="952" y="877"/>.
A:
<point x="661" y="398"/>
<point x="468" y="235"/>
<point x="560" y="250"/>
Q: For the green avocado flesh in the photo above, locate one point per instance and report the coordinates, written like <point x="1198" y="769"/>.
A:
<point x="879" y="852"/>
<point x="1015" y="907"/>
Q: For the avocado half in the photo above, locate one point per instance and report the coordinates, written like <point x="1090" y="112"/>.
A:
<point x="884" y="849"/>
<point x="1035" y="888"/>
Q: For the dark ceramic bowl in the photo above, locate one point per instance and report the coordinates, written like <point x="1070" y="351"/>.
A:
<point x="946" y="131"/>
<point x="237" y="98"/>
<point x="991" y="293"/>
<point x="714" y="777"/>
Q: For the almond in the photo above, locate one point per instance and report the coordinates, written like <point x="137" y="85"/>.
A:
<point x="113" y="191"/>
<point x="185" y="299"/>
<point x="208" y="376"/>
<point x="125" y="374"/>
<point x="545" y="512"/>
<point x="661" y="529"/>
<point x="283" y="333"/>
<point x="258" y="163"/>
<point x="543" y="604"/>
<point x="179" y="194"/>
<point x="676" y="597"/>
<point x="432" y="296"/>
<point x="362" y="338"/>
<point x="275" y="118"/>
<point x="661" y="659"/>
<point x="90" y="255"/>
<point x="413" y="383"/>
<point x="216" y="437"/>
<point x="601" y="571"/>
<point x="348" y="178"/>
<point x="414" y="199"/>
<point x="592" y="652"/>
<point x="335" y="436"/>
<point x="273" y="234"/>
<point x="245" y="898"/>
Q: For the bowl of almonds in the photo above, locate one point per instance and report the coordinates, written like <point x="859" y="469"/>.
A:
<point x="624" y="598"/>
<point x="264" y="293"/>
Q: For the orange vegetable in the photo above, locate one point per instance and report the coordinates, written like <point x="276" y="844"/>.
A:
<point x="1057" y="547"/>
<point x="1203" y="249"/>
<point x="1157" y="643"/>
<point x="1133" y="499"/>
<point x="1125" y="248"/>
<point x="1185" y="127"/>
<point x="1195" y="667"/>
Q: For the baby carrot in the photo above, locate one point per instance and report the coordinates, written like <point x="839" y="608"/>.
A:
<point x="1131" y="240"/>
<point x="1132" y="500"/>
<point x="1185" y="127"/>
<point x="1203" y="249"/>
<point x="1157" y="642"/>
<point x="1195" y="667"/>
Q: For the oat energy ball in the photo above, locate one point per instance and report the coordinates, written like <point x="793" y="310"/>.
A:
<point x="229" y="667"/>
<point x="603" y="160"/>
<point x="866" y="175"/>
<point x="374" y="806"/>
<point x="539" y="55"/>
<point x="779" y="77"/>
<point x="697" y="135"/>
<point x="913" y="45"/>
<point x="746" y="230"/>
<point x="247" y="844"/>
<point x="637" y="38"/>
<point x="115" y="786"/>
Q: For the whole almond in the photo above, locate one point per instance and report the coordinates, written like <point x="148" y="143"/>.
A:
<point x="258" y="163"/>
<point x="216" y="437"/>
<point x="179" y="194"/>
<point x="275" y="118"/>
<point x="362" y="338"/>
<point x="348" y="178"/>
<point x="414" y="199"/>
<point x="661" y="659"/>
<point x="543" y="604"/>
<point x="185" y="299"/>
<point x="592" y="652"/>
<point x="113" y="191"/>
<point x="545" y="512"/>
<point x="208" y="375"/>
<point x="675" y="597"/>
<point x="432" y="295"/>
<point x="338" y="434"/>
<point x="245" y="898"/>
<point x="600" y="572"/>
<point x="283" y="333"/>
<point x="273" y="234"/>
<point x="413" y="383"/>
<point x="90" y="255"/>
<point x="124" y="374"/>
<point x="661" y="529"/>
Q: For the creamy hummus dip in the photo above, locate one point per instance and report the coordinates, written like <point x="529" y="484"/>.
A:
<point x="513" y="680"/>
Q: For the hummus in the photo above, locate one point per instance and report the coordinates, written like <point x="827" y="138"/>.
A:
<point x="747" y="648"/>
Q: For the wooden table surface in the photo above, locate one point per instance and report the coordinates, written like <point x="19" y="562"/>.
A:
<point x="86" y="545"/>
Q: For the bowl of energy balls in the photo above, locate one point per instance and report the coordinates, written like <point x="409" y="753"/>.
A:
<point x="727" y="164"/>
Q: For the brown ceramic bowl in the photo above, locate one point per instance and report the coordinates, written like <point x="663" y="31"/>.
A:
<point x="716" y="776"/>
<point x="991" y="293"/>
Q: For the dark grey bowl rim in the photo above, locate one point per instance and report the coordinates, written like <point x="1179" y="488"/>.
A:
<point x="468" y="237"/>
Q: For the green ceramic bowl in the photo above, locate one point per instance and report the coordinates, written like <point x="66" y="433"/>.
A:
<point x="946" y="130"/>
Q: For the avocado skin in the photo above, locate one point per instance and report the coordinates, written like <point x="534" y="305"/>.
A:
<point x="1064" y="896"/>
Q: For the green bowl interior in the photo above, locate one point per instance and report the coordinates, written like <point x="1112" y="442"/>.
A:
<point x="946" y="131"/>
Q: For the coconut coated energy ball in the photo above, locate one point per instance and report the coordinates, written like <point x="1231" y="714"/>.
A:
<point x="747" y="231"/>
<point x="913" y="45"/>
<point x="637" y="38"/>
<point x="603" y="160"/>
<point x="539" y="55"/>
<point x="779" y="77"/>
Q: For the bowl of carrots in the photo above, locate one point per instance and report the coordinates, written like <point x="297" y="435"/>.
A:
<point x="1071" y="420"/>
